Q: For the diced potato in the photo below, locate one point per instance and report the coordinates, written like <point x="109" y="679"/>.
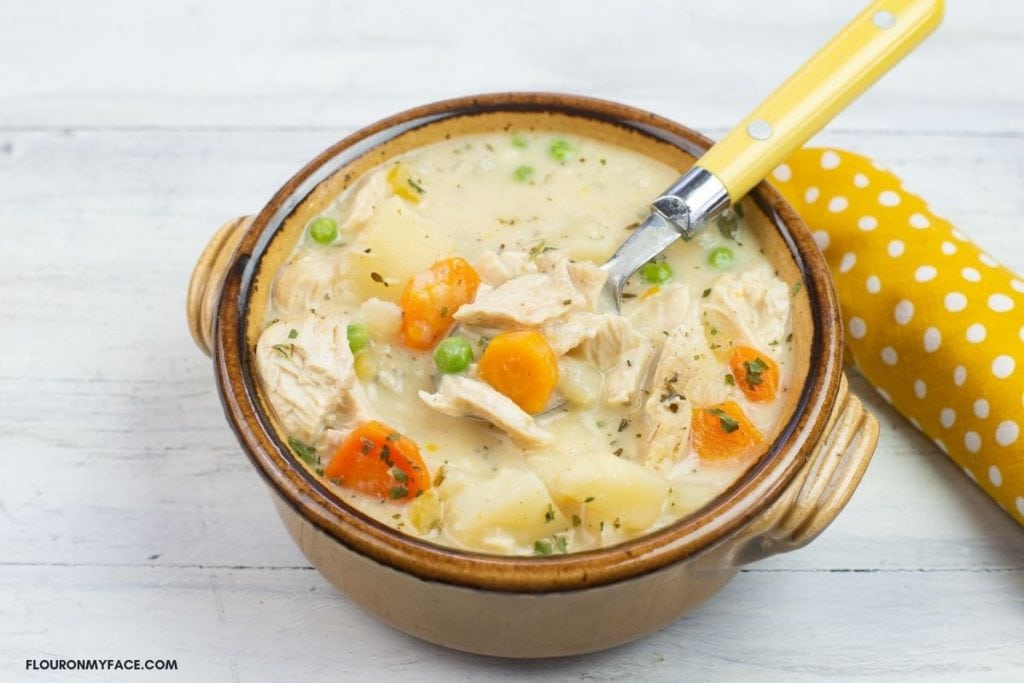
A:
<point x="690" y="496"/>
<point x="396" y="244"/>
<point x="579" y="381"/>
<point x="425" y="511"/>
<point x="608" y="487"/>
<point x="512" y="504"/>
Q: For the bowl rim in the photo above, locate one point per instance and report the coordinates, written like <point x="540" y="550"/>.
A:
<point x="722" y="519"/>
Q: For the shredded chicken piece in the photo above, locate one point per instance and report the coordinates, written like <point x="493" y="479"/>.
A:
<point x="612" y="344"/>
<point x="753" y="306"/>
<point x="304" y="283"/>
<point x="533" y="299"/>
<point x="687" y="375"/>
<point x="657" y="316"/>
<point x="358" y="207"/>
<point x="307" y="369"/>
<point x="497" y="268"/>
<point x="461" y="397"/>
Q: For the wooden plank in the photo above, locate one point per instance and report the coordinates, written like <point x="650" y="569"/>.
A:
<point x="766" y="626"/>
<point x="121" y="63"/>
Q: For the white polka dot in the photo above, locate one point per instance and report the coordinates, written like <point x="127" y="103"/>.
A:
<point x="811" y="195"/>
<point x="867" y="223"/>
<point x="919" y="221"/>
<point x="838" y="204"/>
<point x="925" y="273"/>
<point x="932" y="339"/>
<point x="972" y="441"/>
<point x="858" y="328"/>
<point x="1002" y="367"/>
<point x="981" y="408"/>
<point x="1017" y="285"/>
<point x="948" y="248"/>
<point x="889" y="198"/>
<point x="896" y="248"/>
<point x="884" y="394"/>
<point x="889" y="356"/>
<point x="959" y="375"/>
<point x="861" y="180"/>
<point x="988" y="260"/>
<point x="903" y="312"/>
<point x="971" y="274"/>
<point x="1020" y="505"/>
<point x="1000" y="303"/>
<point x="994" y="475"/>
<point x="822" y="239"/>
<point x="847" y="262"/>
<point x="920" y="388"/>
<point x="947" y="417"/>
<point x="957" y="235"/>
<point x="955" y="302"/>
<point x="915" y="424"/>
<point x="970" y="475"/>
<point x="1021" y="333"/>
<point x="782" y="172"/>
<point x="1007" y="432"/>
<point x="976" y="333"/>
<point x="829" y="160"/>
<point x="873" y="284"/>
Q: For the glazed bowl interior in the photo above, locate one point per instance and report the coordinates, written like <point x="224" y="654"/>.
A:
<point x="279" y="226"/>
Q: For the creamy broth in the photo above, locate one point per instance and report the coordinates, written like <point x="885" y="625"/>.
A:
<point x="607" y="465"/>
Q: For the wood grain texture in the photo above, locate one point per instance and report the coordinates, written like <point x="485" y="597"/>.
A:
<point x="130" y="522"/>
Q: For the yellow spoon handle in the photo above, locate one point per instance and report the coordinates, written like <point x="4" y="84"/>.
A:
<point x="859" y="55"/>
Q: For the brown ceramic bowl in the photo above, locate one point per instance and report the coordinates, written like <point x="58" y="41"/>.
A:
<point x="525" y="606"/>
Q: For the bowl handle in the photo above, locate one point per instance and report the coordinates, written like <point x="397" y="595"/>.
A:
<point x="823" y="487"/>
<point x="208" y="278"/>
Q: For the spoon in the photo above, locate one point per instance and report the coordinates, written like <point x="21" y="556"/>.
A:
<point x="865" y="49"/>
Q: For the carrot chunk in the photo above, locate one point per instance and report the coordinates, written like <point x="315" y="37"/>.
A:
<point x="723" y="432"/>
<point x="756" y="374"/>
<point x="431" y="298"/>
<point x="378" y="461"/>
<point x="523" y="366"/>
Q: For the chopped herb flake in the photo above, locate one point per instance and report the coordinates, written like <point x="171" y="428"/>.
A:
<point x="285" y="350"/>
<point x="549" y="516"/>
<point x="397" y="492"/>
<point x="542" y="548"/>
<point x="293" y="333"/>
<point x="728" y="422"/>
<point x="306" y="452"/>
<point x="754" y="369"/>
<point x="416" y="186"/>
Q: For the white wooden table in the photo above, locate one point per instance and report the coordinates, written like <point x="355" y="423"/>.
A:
<point x="131" y="525"/>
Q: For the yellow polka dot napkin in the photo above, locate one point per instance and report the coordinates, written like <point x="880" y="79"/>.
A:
<point x="932" y="321"/>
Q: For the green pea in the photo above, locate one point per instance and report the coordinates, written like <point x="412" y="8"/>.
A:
<point x="453" y="355"/>
<point x="324" y="230"/>
<point x="358" y="337"/>
<point x="560" y="150"/>
<point x="523" y="173"/>
<point x="722" y="258"/>
<point x="656" y="272"/>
